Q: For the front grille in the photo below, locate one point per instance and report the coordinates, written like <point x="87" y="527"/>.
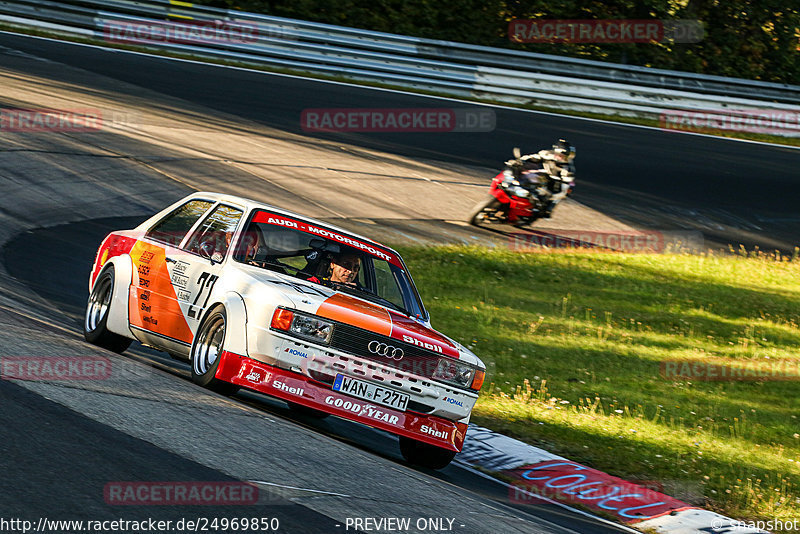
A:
<point x="355" y="341"/>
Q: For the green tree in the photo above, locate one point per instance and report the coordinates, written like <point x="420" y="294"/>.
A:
<point x="755" y="39"/>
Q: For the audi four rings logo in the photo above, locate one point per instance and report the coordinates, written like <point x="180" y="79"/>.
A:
<point x="376" y="347"/>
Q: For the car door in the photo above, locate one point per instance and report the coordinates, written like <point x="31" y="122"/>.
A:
<point x="154" y="314"/>
<point x="196" y="267"/>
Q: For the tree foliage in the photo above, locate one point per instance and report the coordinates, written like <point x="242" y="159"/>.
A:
<point x="756" y="39"/>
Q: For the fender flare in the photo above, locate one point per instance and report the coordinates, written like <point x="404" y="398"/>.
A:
<point x="236" y="329"/>
<point x="118" y="319"/>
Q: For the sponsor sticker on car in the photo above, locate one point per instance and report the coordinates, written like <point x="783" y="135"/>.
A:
<point x="371" y="392"/>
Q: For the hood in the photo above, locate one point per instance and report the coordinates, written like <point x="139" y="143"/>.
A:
<point x="375" y="318"/>
<point x="319" y="300"/>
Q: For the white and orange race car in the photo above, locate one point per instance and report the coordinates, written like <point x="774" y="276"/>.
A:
<point x="245" y="292"/>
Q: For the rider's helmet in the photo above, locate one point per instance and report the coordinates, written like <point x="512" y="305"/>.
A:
<point x="563" y="151"/>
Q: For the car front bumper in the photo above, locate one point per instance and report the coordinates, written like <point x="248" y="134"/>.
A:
<point x="300" y="389"/>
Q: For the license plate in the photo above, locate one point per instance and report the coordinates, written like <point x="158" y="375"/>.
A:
<point x="367" y="391"/>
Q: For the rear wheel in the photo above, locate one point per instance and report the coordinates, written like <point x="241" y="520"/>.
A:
<point x="97" y="309"/>
<point x="424" y="455"/>
<point x="479" y="211"/>
<point x="207" y="352"/>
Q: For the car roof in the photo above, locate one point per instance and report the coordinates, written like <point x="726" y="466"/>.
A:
<point x="250" y="204"/>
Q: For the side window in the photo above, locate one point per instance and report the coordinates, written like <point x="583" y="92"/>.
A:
<point x="361" y="279"/>
<point x="387" y="285"/>
<point x="172" y="228"/>
<point x="213" y="237"/>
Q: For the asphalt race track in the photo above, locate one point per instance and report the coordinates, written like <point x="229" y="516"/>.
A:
<point x="181" y="127"/>
<point x="732" y="192"/>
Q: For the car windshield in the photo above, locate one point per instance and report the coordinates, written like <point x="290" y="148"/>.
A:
<point x="330" y="258"/>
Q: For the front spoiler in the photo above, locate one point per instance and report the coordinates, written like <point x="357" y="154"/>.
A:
<point x="300" y="389"/>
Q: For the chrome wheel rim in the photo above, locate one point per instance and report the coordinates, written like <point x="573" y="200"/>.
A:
<point x="99" y="301"/>
<point x="209" y="345"/>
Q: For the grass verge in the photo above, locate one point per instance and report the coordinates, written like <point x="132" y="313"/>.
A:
<point x="642" y="121"/>
<point x="577" y="344"/>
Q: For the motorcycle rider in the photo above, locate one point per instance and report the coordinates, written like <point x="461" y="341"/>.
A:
<point x="563" y="153"/>
<point x="542" y="173"/>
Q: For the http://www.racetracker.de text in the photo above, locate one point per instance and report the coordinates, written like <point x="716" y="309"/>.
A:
<point x="195" y="524"/>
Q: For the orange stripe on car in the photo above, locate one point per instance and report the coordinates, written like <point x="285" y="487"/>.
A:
<point x="153" y="303"/>
<point x="357" y="313"/>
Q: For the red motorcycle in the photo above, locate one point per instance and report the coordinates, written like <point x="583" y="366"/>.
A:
<point x="529" y="188"/>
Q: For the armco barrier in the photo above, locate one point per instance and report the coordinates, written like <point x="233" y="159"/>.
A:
<point x="450" y="68"/>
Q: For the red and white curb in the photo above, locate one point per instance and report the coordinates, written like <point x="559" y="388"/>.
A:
<point x="537" y="473"/>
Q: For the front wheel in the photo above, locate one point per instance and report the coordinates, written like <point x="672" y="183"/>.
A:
<point x="97" y="309"/>
<point x="480" y="210"/>
<point x="207" y="352"/>
<point x="424" y="455"/>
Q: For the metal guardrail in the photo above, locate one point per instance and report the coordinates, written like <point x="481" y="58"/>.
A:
<point x="453" y="68"/>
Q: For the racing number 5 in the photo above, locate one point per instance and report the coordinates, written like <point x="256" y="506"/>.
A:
<point x="206" y="281"/>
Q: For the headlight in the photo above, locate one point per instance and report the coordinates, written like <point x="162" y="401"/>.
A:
<point x="312" y="328"/>
<point x="301" y="325"/>
<point x="454" y="372"/>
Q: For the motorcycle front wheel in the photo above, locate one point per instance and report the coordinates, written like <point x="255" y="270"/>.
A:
<point x="478" y="213"/>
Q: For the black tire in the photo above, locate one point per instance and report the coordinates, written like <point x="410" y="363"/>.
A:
<point x="207" y="350"/>
<point x="477" y="212"/>
<point x="527" y="222"/>
<point x="299" y="409"/>
<point x="424" y="455"/>
<point x="97" y="308"/>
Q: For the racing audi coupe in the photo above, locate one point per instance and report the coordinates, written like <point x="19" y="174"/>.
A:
<point x="244" y="292"/>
